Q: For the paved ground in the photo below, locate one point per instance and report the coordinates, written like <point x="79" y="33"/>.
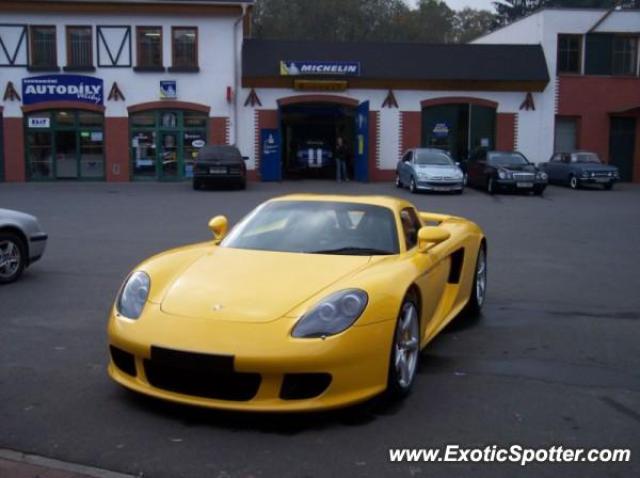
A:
<point x="554" y="360"/>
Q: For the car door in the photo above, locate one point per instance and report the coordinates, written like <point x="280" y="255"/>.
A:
<point x="432" y="271"/>
<point x="551" y="166"/>
<point x="405" y="167"/>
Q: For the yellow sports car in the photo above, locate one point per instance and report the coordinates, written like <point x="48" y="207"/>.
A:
<point x="310" y="302"/>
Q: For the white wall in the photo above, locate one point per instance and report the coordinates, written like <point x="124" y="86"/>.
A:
<point x="215" y="49"/>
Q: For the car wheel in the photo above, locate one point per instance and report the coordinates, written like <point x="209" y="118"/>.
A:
<point x="608" y="187"/>
<point x="412" y="186"/>
<point x="479" y="287"/>
<point x="398" y="182"/>
<point x="243" y="184"/>
<point x="196" y="184"/>
<point x="465" y="179"/>
<point x="491" y="186"/>
<point x="538" y="191"/>
<point x="405" y="351"/>
<point x="573" y="182"/>
<point x="13" y="257"/>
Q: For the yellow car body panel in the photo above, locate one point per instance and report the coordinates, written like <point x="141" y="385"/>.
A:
<point x="208" y="299"/>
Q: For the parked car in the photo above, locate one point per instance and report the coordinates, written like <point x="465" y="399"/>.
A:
<point x="310" y="302"/>
<point x="429" y="169"/>
<point x="22" y="242"/>
<point x="219" y="164"/>
<point x="498" y="171"/>
<point x="579" y="168"/>
<point x="314" y="154"/>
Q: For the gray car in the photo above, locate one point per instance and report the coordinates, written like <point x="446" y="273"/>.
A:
<point x="429" y="169"/>
<point x="22" y="242"/>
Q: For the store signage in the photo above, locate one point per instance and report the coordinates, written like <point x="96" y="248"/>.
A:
<point x="198" y="143"/>
<point x="330" y="68"/>
<point x="86" y="89"/>
<point x="320" y="85"/>
<point x="168" y="89"/>
<point x="39" y="122"/>
<point x="441" y="130"/>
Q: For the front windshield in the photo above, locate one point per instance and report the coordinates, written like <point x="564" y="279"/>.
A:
<point x="585" y="158"/>
<point x="507" y="159"/>
<point x="317" y="227"/>
<point x="433" y="158"/>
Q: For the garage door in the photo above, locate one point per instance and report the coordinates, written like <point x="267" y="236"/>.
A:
<point x="565" y="135"/>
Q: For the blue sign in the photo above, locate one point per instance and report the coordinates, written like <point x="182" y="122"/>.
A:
<point x="39" y="89"/>
<point x="270" y="167"/>
<point x="361" y="170"/>
<point x="168" y="89"/>
<point x="441" y="130"/>
<point x="327" y="68"/>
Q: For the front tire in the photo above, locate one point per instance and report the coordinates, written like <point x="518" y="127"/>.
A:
<point x="196" y="184"/>
<point x="13" y="257"/>
<point x="491" y="185"/>
<point x="405" y="350"/>
<point x="608" y="187"/>
<point x="573" y="182"/>
<point x="479" y="287"/>
<point x="412" y="186"/>
<point x="398" y="181"/>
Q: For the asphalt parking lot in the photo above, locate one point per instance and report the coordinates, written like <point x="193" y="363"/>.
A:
<point x="554" y="360"/>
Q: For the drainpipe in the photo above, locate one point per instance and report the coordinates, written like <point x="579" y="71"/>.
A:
<point x="237" y="59"/>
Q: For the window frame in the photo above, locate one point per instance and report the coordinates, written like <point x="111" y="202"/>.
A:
<point x="185" y="68"/>
<point x="634" y="55"/>
<point x="568" y="51"/>
<point x="52" y="66"/>
<point x="73" y="66"/>
<point x="140" y="67"/>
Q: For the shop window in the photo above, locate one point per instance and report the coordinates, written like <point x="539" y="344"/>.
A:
<point x="185" y="48"/>
<point x="149" y="48"/>
<point x="79" y="47"/>
<point x="624" y="55"/>
<point x="164" y="143"/>
<point x="569" y="53"/>
<point x="65" y="144"/>
<point x="42" y="47"/>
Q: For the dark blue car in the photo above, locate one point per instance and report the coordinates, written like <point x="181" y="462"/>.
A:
<point x="579" y="168"/>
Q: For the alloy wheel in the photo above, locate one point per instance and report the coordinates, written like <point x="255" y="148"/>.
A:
<point x="406" y="346"/>
<point x="10" y="258"/>
<point x="481" y="277"/>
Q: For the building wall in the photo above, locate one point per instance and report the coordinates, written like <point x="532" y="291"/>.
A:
<point x="208" y="87"/>
<point x="400" y="128"/>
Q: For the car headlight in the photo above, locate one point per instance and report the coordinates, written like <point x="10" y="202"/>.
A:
<point x="134" y="295"/>
<point x="332" y="315"/>
<point x="585" y="174"/>
<point x="542" y="175"/>
<point x="502" y="174"/>
<point x="423" y="176"/>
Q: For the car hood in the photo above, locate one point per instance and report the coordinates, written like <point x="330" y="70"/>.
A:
<point x="437" y="170"/>
<point x="15" y="216"/>
<point x="253" y="286"/>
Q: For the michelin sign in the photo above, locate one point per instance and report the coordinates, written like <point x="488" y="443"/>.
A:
<point x="330" y="68"/>
<point x="39" y="89"/>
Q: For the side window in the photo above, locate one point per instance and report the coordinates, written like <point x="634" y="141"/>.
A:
<point x="410" y="226"/>
<point x="556" y="158"/>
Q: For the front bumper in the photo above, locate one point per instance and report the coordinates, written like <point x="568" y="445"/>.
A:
<point x="356" y="360"/>
<point x="37" y="245"/>
<point x="516" y="185"/>
<point x="604" y="180"/>
<point x="444" y="186"/>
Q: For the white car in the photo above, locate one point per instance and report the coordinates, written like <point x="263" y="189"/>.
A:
<point x="22" y="242"/>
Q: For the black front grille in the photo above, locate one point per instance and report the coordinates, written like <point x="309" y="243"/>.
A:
<point x="298" y="386"/>
<point x="123" y="360"/>
<point x="201" y="375"/>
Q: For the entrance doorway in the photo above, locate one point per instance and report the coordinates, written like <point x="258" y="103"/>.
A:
<point x="65" y="144"/>
<point x="309" y="135"/>
<point x="622" y="140"/>
<point x="164" y="143"/>
<point x="459" y="128"/>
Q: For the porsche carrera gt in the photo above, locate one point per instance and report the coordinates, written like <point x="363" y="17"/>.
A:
<point x="310" y="302"/>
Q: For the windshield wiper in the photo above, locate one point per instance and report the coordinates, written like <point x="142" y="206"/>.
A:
<point x="353" y="251"/>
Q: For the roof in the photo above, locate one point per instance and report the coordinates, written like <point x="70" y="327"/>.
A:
<point x="405" y="61"/>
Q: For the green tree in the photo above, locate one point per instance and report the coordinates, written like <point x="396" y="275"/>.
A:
<point x="469" y="24"/>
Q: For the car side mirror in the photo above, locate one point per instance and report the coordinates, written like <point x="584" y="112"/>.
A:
<point x="430" y="236"/>
<point x="245" y="158"/>
<point x="218" y="226"/>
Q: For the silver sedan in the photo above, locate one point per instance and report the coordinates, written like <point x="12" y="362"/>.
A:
<point x="22" y="242"/>
<point x="429" y="169"/>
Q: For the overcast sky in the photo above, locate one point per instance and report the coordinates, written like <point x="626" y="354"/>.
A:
<point x="460" y="4"/>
